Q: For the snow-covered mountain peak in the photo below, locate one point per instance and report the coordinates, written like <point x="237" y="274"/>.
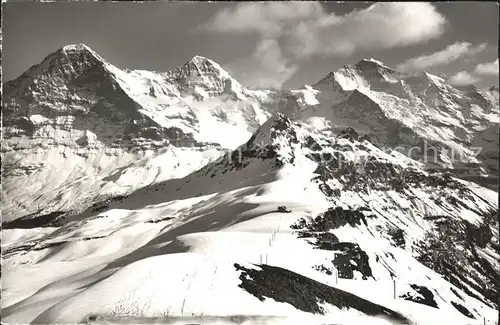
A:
<point x="79" y="47"/>
<point x="376" y="61"/>
<point x="204" y="66"/>
<point x="205" y="77"/>
<point x="78" y="55"/>
<point x="265" y="135"/>
<point x="371" y="63"/>
<point x="203" y="61"/>
<point x="375" y="71"/>
<point x="60" y="67"/>
<point x="434" y="78"/>
<point x="365" y="74"/>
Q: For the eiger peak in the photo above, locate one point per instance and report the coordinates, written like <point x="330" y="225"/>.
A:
<point x="77" y="47"/>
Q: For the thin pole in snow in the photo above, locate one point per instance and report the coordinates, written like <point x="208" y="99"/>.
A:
<point x="394" y="282"/>
<point x="336" y="277"/>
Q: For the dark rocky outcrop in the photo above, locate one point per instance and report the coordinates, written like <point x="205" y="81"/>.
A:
<point x="349" y="133"/>
<point x="283" y="209"/>
<point x="304" y="293"/>
<point x="325" y="240"/>
<point x="311" y="144"/>
<point x="462" y="309"/>
<point x="425" y="296"/>
<point x="397" y="236"/>
<point x="333" y="218"/>
<point x="351" y="258"/>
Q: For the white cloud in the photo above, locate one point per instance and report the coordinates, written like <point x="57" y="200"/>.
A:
<point x="265" y="68"/>
<point x="462" y="78"/>
<point x="266" y="18"/>
<point x="489" y="68"/>
<point x="302" y="29"/>
<point x="380" y="26"/>
<point x="299" y="23"/>
<point x="451" y="53"/>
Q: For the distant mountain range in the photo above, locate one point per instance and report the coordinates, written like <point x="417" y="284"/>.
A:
<point x="369" y="176"/>
<point x="66" y="110"/>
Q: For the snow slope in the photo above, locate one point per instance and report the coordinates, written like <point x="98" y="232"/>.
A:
<point x="169" y="249"/>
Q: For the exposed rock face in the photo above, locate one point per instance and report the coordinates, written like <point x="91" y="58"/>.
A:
<point x="456" y="251"/>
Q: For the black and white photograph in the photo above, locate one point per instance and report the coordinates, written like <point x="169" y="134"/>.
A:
<point x="273" y="162"/>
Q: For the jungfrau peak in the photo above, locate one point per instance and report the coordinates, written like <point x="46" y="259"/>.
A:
<point x="123" y="190"/>
<point x="417" y="108"/>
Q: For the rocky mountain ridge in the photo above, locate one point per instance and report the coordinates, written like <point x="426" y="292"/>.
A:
<point x="75" y="108"/>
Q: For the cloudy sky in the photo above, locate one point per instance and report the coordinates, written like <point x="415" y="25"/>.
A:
<point x="273" y="44"/>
